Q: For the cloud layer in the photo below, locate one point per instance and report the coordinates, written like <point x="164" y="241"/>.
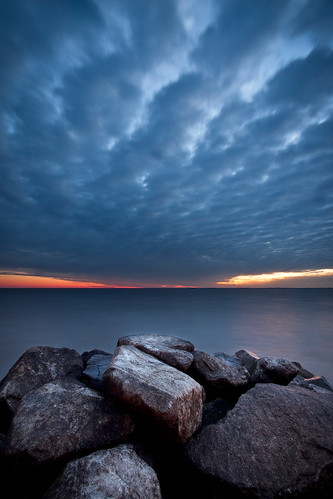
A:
<point x="166" y="142"/>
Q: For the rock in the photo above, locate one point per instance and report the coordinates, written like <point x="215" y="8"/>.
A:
<point x="217" y="376"/>
<point x="95" y="368"/>
<point x="320" y="381"/>
<point x="118" y="473"/>
<point x="214" y="411"/>
<point x="302" y="371"/>
<point x="63" y="419"/>
<point x="247" y="359"/>
<point x="277" y="441"/>
<point x="37" y="366"/>
<point x="172" y="350"/>
<point x="317" y="383"/>
<point x="86" y="356"/>
<point x="270" y="370"/>
<point x="230" y="360"/>
<point x="170" y="399"/>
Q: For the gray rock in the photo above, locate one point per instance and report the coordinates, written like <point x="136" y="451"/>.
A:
<point x="170" y="349"/>
<point x="247" y="359"/>
<point x="277" y="440"/>
<point x="117" y="473"/>
<point x="86" y="356"/>
<point x="302" y="371"/>
<point x="230" y="360"/>
<point x="169" y="398"/>
<point x="217" y="376"/>
<point x="63" y="419"/>
<point x="317" y="383"/>
<point x="37" y="366"/>
<point x="271" y="370"/>
<point x="320" y="381"/>
<point x="95" y="368"/>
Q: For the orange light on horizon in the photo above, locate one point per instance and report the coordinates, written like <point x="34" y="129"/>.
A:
<point x="17" y="279"/>
<point x="22" y="280"/>
<point x="257" y="279"/>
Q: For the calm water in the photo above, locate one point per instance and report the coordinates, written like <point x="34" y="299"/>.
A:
<point x="293" y="323"/>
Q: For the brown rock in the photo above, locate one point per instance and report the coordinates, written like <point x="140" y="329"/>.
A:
<point x="170" y="399"/>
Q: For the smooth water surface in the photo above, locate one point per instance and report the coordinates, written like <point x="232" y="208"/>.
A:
<point x="296" y="324"/>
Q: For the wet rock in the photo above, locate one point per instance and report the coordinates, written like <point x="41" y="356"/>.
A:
<point x="168" y="398"/>
<point x="247" y="359"/>
<point x="277" y="441"/>
<point x="63" y="419"/>
<point x="214" y="411"/>
<point x="37" y="366"/>
<point x="217" y="376"/>
<point x="172" y="350"/>
<point x="95" y="368"/>
<point x="271" y="370"/>
<point x="118" y="473"/>
<point x="302" y="371"/>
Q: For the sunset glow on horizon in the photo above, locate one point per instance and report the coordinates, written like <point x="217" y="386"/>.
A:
<point x="23" y="280"/>
<point x="26" y="280"/>
<point x="258" y="279"/>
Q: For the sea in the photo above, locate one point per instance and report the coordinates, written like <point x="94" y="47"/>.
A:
<point x="296" y="324"/>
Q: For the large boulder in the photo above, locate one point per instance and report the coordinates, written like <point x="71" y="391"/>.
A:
<point x="118" y="473"/>
<point x="95" y="368"/>
<point x="64" y="419"/>
<point x="172" y="350"/>
<point x="277" y="440"/>
<point x="271" y="370"/>
<point x="219" y="377"/>
<point x="37" y="366"/>
<point x="167" y="397"/>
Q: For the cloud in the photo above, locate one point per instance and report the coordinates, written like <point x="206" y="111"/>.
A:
<point x="165" y="141"/>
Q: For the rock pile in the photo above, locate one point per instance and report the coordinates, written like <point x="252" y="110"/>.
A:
<point x="160" y="419"/>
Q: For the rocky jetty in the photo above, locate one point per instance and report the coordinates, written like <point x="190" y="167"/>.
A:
<point x="159" y="419"/>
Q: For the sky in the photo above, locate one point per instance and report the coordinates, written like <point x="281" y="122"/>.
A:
<point x="166" y="143"/>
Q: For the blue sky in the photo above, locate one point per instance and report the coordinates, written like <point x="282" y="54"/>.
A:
<point x="166" y="142"/>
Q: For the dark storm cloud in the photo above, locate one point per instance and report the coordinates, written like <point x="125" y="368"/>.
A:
<point x="165" y="141"/>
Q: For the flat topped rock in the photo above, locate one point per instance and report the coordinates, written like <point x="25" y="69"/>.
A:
<point x="63" y="419"/>
<point x="276" y="440"/>
<point x="37" y="366"/>
<point x="169" y="398"/>
<point x="172" y="350"/>
<point x="117" y="473"/>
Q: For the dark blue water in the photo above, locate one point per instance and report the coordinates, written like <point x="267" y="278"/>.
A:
<point x="293" y="323"/>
